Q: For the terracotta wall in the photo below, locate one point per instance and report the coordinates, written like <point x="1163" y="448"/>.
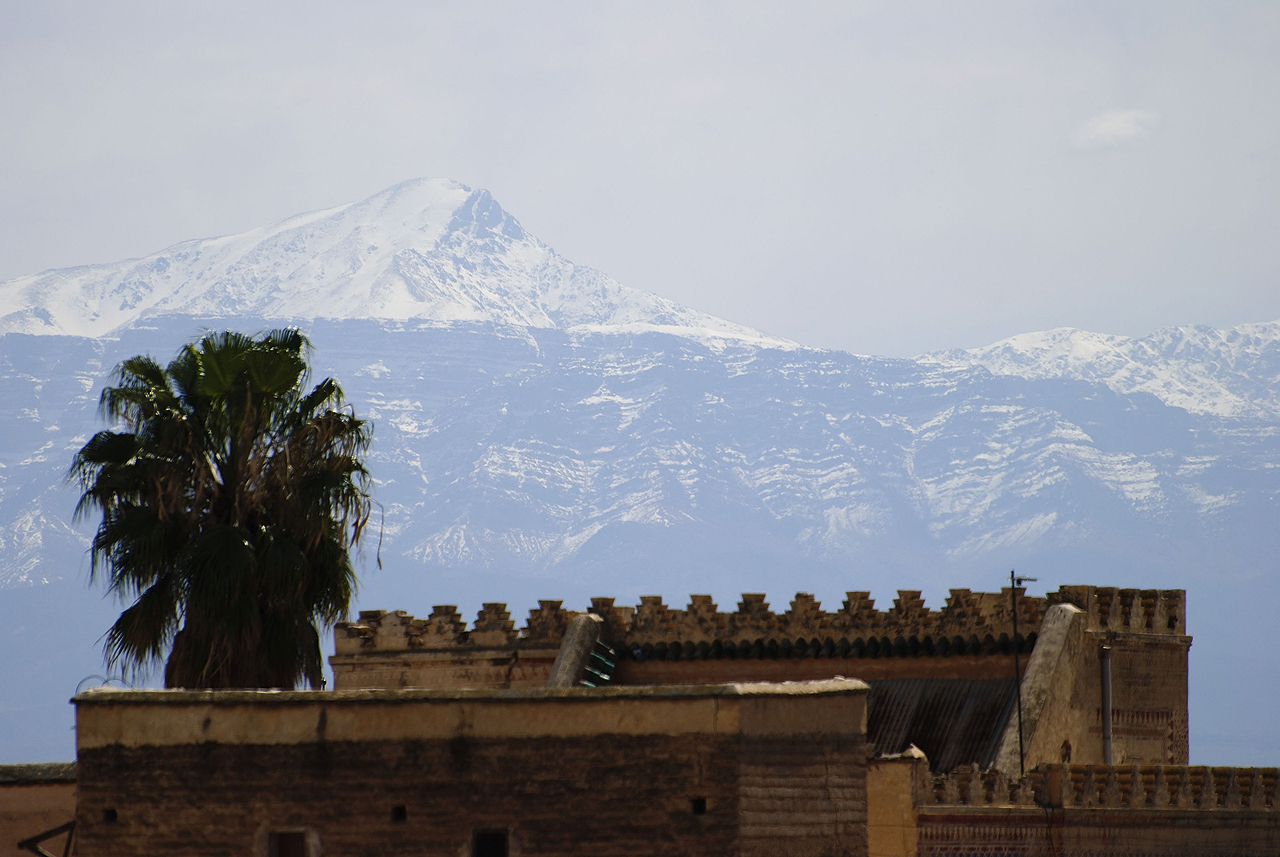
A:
<point x="27" y="809"/>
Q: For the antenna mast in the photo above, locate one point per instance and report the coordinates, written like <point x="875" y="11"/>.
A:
<point x="1014" y="582"/>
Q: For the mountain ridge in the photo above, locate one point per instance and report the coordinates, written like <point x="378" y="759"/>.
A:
<point x="1232" y="372"/>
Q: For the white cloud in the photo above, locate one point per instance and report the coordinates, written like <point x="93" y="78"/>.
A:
<point x="1114" y="128"/>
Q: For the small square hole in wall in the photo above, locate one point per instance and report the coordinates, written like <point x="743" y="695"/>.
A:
<point x="291" y="843"/>
<point x="698" y="805"/>
<point x="110" y="815"/>
<point x="399" y="813"/>
<point x="489" y="843"/>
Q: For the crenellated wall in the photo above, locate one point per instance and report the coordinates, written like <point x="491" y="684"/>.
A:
<point x="444" y="630"/>
<point x="966" y="614"/>
<point x="1142" y="611"/>
<point x="1143" y="632"/>
<point x="393" y="649"/>
<point x="970" y="637"/>
<point x="1135" y="810"/>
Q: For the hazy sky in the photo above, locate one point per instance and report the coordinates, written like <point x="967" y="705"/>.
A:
<point x="882" y="177"/>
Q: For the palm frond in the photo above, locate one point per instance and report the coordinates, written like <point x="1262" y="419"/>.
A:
<point x="139" y="638"/>
<point x="229" y="506"/>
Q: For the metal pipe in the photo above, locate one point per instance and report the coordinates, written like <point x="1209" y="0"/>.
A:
<point x="1014" y="581"/>
<point x="1106" y="705"/>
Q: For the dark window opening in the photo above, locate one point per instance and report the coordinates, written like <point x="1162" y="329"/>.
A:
<point x="291" y="844"/>
<point x="110" y="815"/>
<point x="1173" y="622"/>
<point x="399" y="813"/>
<point x="489" y="843"/>
<point x="698" y="805"/>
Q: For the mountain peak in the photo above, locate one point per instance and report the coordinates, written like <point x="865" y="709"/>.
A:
<point x="424" y="249"/>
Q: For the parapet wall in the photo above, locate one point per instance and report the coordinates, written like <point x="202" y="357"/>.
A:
<point x="965" y="615"/>
<point x="658" y="644"/>
<point x="1187" y="787"/>
<point x="1143" y="611"/>
<point x="1135" y="810"/>
<point x="711" y="771"/>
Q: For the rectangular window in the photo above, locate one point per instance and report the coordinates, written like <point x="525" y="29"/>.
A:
<point x="489" y="843"/>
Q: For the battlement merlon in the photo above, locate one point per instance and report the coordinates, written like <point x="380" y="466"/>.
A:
<point x="1103" y="787"/>
<point x="1112" y="610"/>
<point x="1140" y="611"/>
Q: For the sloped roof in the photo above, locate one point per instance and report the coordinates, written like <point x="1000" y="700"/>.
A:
<point x="955" y="721"/>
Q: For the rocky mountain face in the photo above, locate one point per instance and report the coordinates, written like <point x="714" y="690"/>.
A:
<point x="544" y="432"/>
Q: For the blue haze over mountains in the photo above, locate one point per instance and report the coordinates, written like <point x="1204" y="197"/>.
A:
<point x="544" y="432"/>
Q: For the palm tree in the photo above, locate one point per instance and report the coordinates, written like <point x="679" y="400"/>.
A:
<point x="229" y="500"/>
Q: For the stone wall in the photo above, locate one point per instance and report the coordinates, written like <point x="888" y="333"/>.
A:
<point x="749" y="770"/>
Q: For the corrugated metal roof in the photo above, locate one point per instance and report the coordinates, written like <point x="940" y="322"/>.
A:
<point x="955" y="721"/>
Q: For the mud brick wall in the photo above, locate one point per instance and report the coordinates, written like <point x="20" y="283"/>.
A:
<point x="1148" y="701"/>
<point x="1086" y="810"/>
<point x="627" y="796"/>
<point x="1024" y="832"/>
<point x="801" y="668"/>
<point x="788" y="790"/>
<point x="972" y="635"/>
<point x="622" y="796"/>
<point x="653" y="772"/>
<point x="1146" y="629"/>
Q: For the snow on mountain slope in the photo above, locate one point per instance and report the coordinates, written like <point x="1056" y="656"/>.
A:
<point x="427" y="250"/>
<point x="1229" y="373"/>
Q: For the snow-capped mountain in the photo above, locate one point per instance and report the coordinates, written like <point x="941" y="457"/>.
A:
<point x="1230" y="373"/>
<point x="424" y="250"/>
<point x="542" y="431"/>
